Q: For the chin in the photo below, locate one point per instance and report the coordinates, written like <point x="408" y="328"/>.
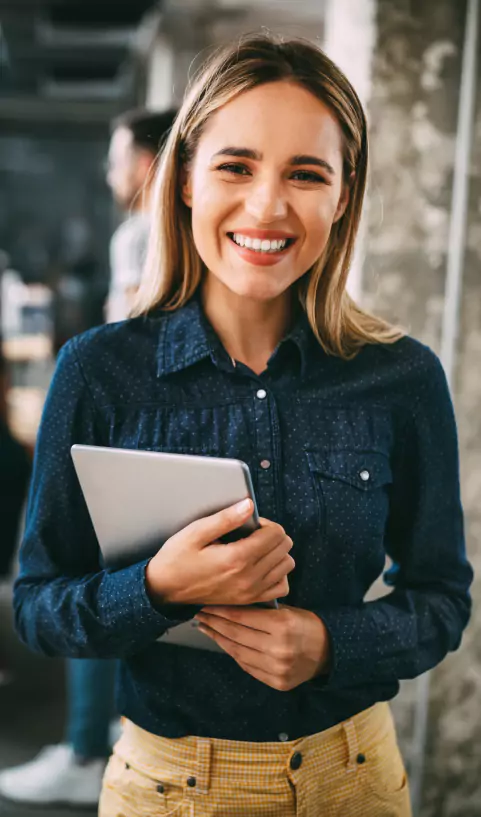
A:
<point x="255" y="286"/>
<point x="255" y="291"/>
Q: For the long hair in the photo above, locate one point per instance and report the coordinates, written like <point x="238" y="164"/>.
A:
<point x="174" y="268"/>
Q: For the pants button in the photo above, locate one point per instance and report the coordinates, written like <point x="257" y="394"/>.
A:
<point x="296" y="761"/>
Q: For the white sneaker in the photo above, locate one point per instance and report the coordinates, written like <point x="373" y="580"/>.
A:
<point x="54" y="776"/>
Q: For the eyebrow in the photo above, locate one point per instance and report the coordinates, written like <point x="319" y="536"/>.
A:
<point x="295" y="161"/>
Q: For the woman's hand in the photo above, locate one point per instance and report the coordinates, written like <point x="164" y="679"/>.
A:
<point x="192" y="567"/>
<point x="282" y="648"/>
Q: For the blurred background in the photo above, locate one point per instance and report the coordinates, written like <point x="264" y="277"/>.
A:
<point x="67" y="67"/>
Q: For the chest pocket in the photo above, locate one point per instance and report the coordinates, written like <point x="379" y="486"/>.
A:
<point x="352" y="490"/>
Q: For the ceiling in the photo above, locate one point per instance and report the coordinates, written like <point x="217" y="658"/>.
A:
<point x="82" y="61"/>
<point x="71" y="54"/>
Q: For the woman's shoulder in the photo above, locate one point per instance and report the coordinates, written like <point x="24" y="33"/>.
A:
<point x="115" y="344"/>
<point x="407" y="353"/>
<point x="411" y="371"/>
<point x="120" y="333"/>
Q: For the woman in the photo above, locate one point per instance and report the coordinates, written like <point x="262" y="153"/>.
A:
<point x="246" y="344"/>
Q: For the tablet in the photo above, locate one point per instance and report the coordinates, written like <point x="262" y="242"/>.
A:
<point x="139" y="499"/>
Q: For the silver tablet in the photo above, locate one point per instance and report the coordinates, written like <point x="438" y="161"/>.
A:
<point x="139" y="499"/>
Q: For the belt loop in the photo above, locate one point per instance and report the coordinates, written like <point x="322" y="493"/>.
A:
<point x="352" y="745"/>
<point x="203" y="764"/>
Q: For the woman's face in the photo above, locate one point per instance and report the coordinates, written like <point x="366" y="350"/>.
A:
<point x="265" y="186"/>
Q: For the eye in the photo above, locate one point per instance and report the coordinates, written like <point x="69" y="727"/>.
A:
<point x="308" y="176"/>
<point x="235" y="168"/>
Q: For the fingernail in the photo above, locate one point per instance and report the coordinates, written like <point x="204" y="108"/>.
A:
<point x="243" y="507"/>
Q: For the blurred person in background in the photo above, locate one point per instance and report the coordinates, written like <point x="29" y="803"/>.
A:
<point x="137" y="137"/>
<point x="71" y="772"/>
<point x="14" y="476"/>
<point x="247" y="345"/>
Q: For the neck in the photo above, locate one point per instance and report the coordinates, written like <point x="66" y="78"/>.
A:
<point x="249" y="330"/>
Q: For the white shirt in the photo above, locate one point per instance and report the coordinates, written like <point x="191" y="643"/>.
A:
<point x="128" y="251"/>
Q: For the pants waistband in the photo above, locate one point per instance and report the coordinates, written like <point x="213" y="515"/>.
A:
<point x="197" y="757"/>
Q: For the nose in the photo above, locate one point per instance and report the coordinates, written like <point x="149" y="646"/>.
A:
<point x="266" y="201"/>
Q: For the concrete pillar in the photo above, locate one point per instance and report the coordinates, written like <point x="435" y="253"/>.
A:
<point x="160" y="75"/>
<point x="413" y="116"/>
<point x="349" y="39"/>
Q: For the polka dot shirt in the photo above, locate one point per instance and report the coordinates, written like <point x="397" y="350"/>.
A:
<point x="356" y="459"/>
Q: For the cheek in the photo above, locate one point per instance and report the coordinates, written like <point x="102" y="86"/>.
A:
<point x="318" y="222"/>
<point x="210" y="207"/>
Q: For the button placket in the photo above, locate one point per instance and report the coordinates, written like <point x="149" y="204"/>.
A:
<point x="264" y="406"/>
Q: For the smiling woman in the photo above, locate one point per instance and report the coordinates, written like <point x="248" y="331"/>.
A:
<point x="245" y="344"/>
<point x="271" y="143"/>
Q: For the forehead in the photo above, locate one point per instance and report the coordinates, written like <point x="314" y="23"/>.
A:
<point x="279" y="118"/>
<point x="121" y="141"/>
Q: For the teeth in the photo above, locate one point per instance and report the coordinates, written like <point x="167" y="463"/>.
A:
<point x="259" y="245"/>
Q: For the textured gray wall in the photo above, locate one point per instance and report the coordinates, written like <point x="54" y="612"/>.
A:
<point x="413" y="112"/>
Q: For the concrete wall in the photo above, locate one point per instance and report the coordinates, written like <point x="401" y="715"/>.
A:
<point x="413" y="114"/>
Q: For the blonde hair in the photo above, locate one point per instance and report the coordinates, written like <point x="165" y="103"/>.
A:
<point x="174" y="268"/>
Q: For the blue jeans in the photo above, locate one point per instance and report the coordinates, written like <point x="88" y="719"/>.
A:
<point x="90" y="707"/>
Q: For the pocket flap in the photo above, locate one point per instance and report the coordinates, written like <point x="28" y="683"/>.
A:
<point x="365" y="470"/>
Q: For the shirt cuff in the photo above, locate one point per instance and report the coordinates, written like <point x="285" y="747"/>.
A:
<point x="132" y="610"/>
<point x="351" y="653"/>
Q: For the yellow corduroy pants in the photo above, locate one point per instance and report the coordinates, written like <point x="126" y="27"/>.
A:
<point x="353" y="769"/>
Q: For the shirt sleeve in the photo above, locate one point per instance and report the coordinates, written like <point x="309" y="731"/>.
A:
<point x="410" y="630"/>
<point x="65" y="603"/>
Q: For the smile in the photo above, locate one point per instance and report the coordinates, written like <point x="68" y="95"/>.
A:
<point x="259" y="245"/>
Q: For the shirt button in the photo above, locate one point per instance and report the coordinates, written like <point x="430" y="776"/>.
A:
<point x="296" y="761"/>
<point x="160" y="788"/>
<point x="283" y="736"/>
<point x="261" y="394"/>
<point x="365" y="475"/>
<point x="265" y="464"/>
<point x="191" y="781"/>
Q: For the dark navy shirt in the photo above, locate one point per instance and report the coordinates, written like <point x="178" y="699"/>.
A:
<point x="355" y="459"/>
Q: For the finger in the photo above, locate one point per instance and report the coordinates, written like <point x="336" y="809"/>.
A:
<point x="246" y="636"/>
<point x="210" y="528"/>
<point x="260" y="674"/>
<point x="263" y="541"/>
<point x="239" y="652"/>
<point x="255" y="618"/>
<point x="274" y="557"/>
<point x="277" y="591"/>
<point x="279" y="571"/>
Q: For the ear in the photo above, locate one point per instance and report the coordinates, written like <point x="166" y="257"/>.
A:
<point x="186" y="186"/>
<point x="344" y="198"/>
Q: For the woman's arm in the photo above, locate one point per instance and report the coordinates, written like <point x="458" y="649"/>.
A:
<point x="410" y="631"/>
<point x="65" y="604"/>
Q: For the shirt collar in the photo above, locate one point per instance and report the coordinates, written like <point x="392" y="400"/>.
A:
<point x="186" y="337"/>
